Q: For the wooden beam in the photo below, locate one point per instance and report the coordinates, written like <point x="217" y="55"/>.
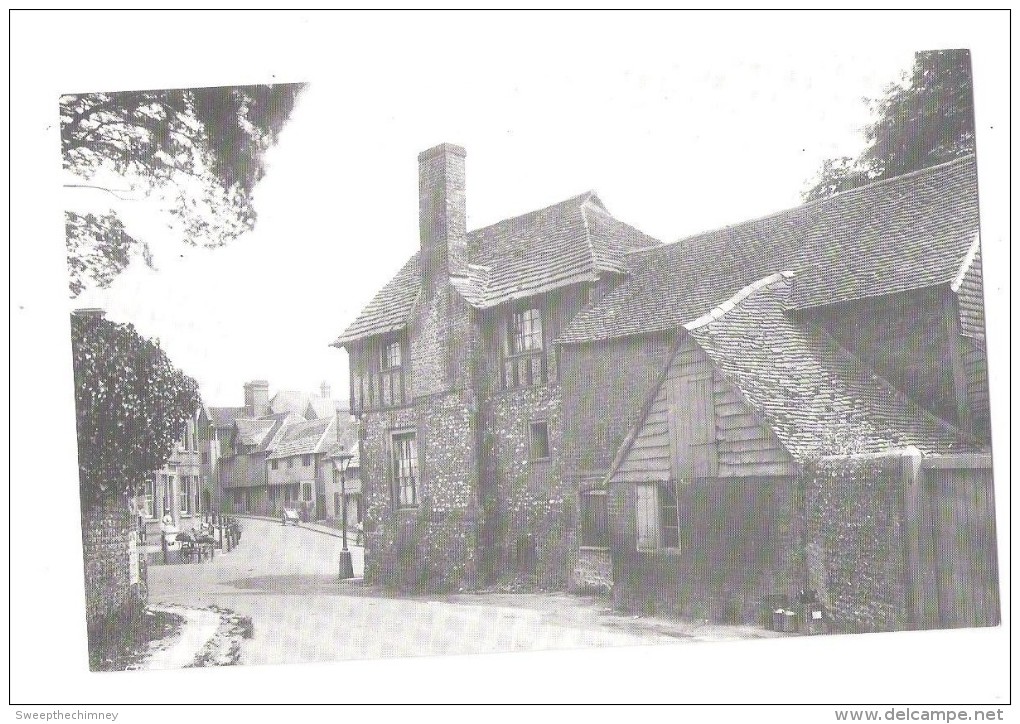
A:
<point x="952" y="322"/>
<point x="956" y="462"/>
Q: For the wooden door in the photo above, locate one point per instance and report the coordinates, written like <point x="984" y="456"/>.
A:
<point x="963" y="535"/>
<point x="692" y="427"/>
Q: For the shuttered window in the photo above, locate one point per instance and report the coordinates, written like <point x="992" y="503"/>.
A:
<point x="647" y="516"/>
<point x="658" y="516"/>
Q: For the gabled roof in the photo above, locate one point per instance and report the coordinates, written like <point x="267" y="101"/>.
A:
<point x="574" y="240"/>
<point x="253" y="431"/>
<point x="319" y="407"/>
<point x="223" y="417"/>
<point x="303" y="437"/>
<point x="346" y="441"/>
<point x="904" y="233"/>
<point x="303" y="403"/>
<point x="815" y="396"/>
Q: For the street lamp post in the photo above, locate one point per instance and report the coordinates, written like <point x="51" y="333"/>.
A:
<point x="346" y="565"/>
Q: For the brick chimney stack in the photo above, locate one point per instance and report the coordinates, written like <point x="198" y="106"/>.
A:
<point x="442" y="215"/>
<point x="256" y="398"/>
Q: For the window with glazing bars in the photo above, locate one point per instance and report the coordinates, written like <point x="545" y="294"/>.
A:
<point x="526" y="331"/>
<point x="405" y="469"/>
<point x="391" y="355"/>
<point x="150" y="497"/>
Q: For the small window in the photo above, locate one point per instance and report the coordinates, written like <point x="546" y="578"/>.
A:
<point x="405" y="469"/>
<point x="290" y="463"/>
<point x="658" y="516"/>
<point x="391" y="355"/>
<point x="150" y="497"/>
<point x="167" y="490"/>
<point x="539" y="440"/>
<point x="306" y="460"/>
<point x="275" y="464"/>
<point x="306" y="491"/>
<point x="526" y="331"/>
<point x="184" y="493"/>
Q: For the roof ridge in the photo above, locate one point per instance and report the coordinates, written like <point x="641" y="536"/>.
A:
<point x="587" y="234"/>
<point x="731" y="303"/>
<point x="968" y="260"/>
<point x="809" y="204"/>
<point x="578" y="198"/>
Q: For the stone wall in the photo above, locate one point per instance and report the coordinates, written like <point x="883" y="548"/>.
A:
<point x="529" y="510"/>
<point x="434" y="545"/>
<point x="853" y="542"/>
<point x="116" y="592"/>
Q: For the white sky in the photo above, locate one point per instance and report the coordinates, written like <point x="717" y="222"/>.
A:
<point x="676" y="137"/>
<point x="681" y="122"/>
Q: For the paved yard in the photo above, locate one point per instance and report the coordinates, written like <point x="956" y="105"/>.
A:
<point x="285" y="579"/>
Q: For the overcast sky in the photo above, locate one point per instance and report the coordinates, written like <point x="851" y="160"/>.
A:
<point x="681" y="122"/>
<point x="676" y="136"/>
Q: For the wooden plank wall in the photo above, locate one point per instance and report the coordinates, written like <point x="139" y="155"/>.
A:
<point x="962" y="514"/>
<point x="689" y="433"/>
<point x="972" y="303"/>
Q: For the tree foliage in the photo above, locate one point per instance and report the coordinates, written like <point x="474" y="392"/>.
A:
<point x="203" y="149"/>
<point x="925" y="120"/>
<point x="132" y="405"/>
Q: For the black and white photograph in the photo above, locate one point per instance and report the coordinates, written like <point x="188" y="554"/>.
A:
<point x="511" y="357"/>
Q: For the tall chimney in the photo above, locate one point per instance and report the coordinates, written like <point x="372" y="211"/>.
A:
<point x="442" y="215"/>
<point x="324" y="389"/>
<point x="256" y="398"/>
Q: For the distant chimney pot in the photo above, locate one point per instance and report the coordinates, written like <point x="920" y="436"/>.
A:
<point x="325" y="390"/>
<point x="256" y="398"/>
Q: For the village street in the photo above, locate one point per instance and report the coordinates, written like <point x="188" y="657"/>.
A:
<point x="285" y="579"/>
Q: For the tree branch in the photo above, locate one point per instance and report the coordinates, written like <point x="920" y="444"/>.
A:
<point x="112" y="192"/>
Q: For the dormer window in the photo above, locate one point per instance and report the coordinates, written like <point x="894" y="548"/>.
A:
<point x="391" y="355"/>
<point x="526" y="331"/>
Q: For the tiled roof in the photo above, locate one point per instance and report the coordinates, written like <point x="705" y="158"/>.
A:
<point x="319" y="407"/>
<point x="301" y="403"/>
<point x="904" y="233"/>
<point x="571" y="241"/>
<point x="253" y="432"/>
<point x="224" y="416"/>
<point x="302" y="438"/>
<point x="280" y="422"/>
<point x="348" y="441"/>
<point x="816" y="397"/>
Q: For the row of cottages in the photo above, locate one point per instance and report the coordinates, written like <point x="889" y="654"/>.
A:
<point x="277" y="451"/>
<point x="499" y="375"/>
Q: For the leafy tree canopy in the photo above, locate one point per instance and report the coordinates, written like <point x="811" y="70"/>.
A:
<point x="925" y="120"/>
<point x="132" y="405"/>
<point x="202" y="149"/>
